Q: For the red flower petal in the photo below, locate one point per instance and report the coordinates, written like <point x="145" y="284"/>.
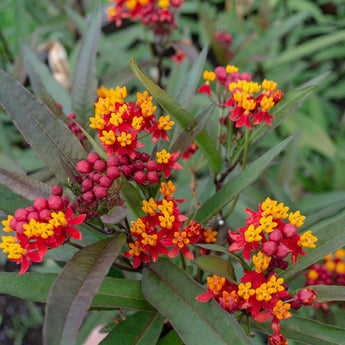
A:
<point x="77" y="220"/>
<point x="205" y="297"/>
<point x="188" y="254"/>
<point x="73" y="232"/>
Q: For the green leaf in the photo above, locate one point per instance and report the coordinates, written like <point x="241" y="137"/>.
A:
<point x="112" y="294"/>
<point x="10" y="202"/>
<point x="46" y="134"/>
<point x="190" y="84"/>
<point x="307" y="331"/>
<point x="171" y="338"/>
<point x="173" y="292"/>
<point x="308" y="48"/>
<point x="84" y="83"/>
<point x="329" y="293"/>
<point x="180" y="115"/>
<point x="72" y="292"/>
<point x="142" y="328"/>
<point x="229" y="191"/>
<point x="331" y="236"/>
<point x="216" y="265"/>
<point x="23" y="185"/>
<point x="132" y="197"/>
<point x="46" y="88"/>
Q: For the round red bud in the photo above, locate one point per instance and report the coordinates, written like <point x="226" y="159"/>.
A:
<point x="34" y="215"/>
<point x="269" y="248"/>
<point x="21" y="214"/>
<point x="56" y="203"/>
<point x="92" y="157"/>
<point x="86" y="185"/>
<point x="84" y="167"/>
<point x="100" y="192"/>
<point x="290" y="230"/>
<point x="126" y="170"/>
<point x="139" y="177"/>
<point x="113" y="161"/>
<point x="151" y="165"/>
<point x="89" y="197"/>
<point x="45" y="215"/>
<point x="105" y="181"/>
<point x="57" y="190"/>
<point x="100" y="165"/>
<point x="13" y="223"/>
<point x="275" y="236"/>
<point x="153" y="177"/>
<point x="144" y="157"/>
<point x="306" y="296"/>
<point x="19" y="227"/>
<point x="113" y="172"/>
<point x="41" y="204"/>
<point x="31" y="209"/>
<point x="137" y="166"/>
<point x="96" y="177"/>
<point x="124" y="160"/>
<point x="282" y="251"/>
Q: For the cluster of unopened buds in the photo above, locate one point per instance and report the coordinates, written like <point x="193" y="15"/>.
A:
<point x="74" y="128"/>
<point x="329" y="272"/>
<point x="47" y="224"/>
<point x="224" y="39"/>
<point x="161" y="228"/>
<point x="248" y="102"/>
<point x="158" y="15"/>
<point x="261" y="292"/>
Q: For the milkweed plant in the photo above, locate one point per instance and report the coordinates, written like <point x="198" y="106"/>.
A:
<point x="175" y="262"/>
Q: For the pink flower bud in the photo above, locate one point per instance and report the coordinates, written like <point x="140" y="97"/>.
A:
<point x="126" y="170"/>
<point x="21" y="214"/>
<point x="151" y="165"/>
<point x="100" y="165"/>
<point x="57" y="190"/>
<point x="306" y="296"/>
<point x="92" y="157"/>
<point x="221" y="73"/>
<point x="19" y="227"/>
<point x="86" y="185"/>
<point x="282" y="251"/>
<point x="113" y="161"/>
<point x="89" y="197"/>
<point x="105" y="181"/>
<point x="41" y="204"/>
<point x="289" y="230"/>
<point x="100" y="192"/>
<point x="96" y="177"/>
<point x="139" y="177"/>
<point x="269" y="248"/>
<point x="137" y="166"/>
<point x="124" y="160"/>
<point x="45" y="215"/>
<point x="144" y="157"/>
<point x="113" y="172"/>
<point x="13" y="223"/>
<point x="153" y="177"/>
<point x="34" y="215"/>
<point x="84" y="167"/>
<point x="56" y="203"/>
<point x="275" y="236"/>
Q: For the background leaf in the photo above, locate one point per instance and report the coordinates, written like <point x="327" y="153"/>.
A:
<point x="46" y="134"/>
<point x="84" y="83"/>
<point x="328" y="293"/>
<point x="72" y="292"/>
<point x="238" y="183"/>
<point x="142" y="328"/>
<point x="173" y="292"/>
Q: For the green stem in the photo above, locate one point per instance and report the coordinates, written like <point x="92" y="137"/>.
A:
<point x="183" y="261"/>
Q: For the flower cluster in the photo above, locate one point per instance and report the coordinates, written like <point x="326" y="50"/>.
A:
<point x="47" y="224"/>
<point x="161" y="228"/>
<point x="330" y="272"/>
<point x="249" y="102"/>
<point x="225" y="41"/>
<point x="119" y="125"/>
<point x="261" y="292"/>
<point x="158" y="15"/>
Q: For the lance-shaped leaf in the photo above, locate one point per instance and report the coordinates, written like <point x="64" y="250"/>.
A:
<point x="112" y="294"/>
<point x="72" y="292"/>
<point x="10" y="202"/>
<point x="142" y="328"/>
<point x="84" y="83"/>
<point x="328" y="293"/>
<point x="331" y="236"/>
<point x="180" y="115"/>
<point x="168" y="288"/>
<point x="216" y="265"/>
<point x="190" y="84"/>
<point x="23" y="185"/>
<point x="229" y="191"/>
<point x="132" y="197"/>
<point x="307" y="331"/>
<point x="46" y="134"/>
<point x="46" y="88"/>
